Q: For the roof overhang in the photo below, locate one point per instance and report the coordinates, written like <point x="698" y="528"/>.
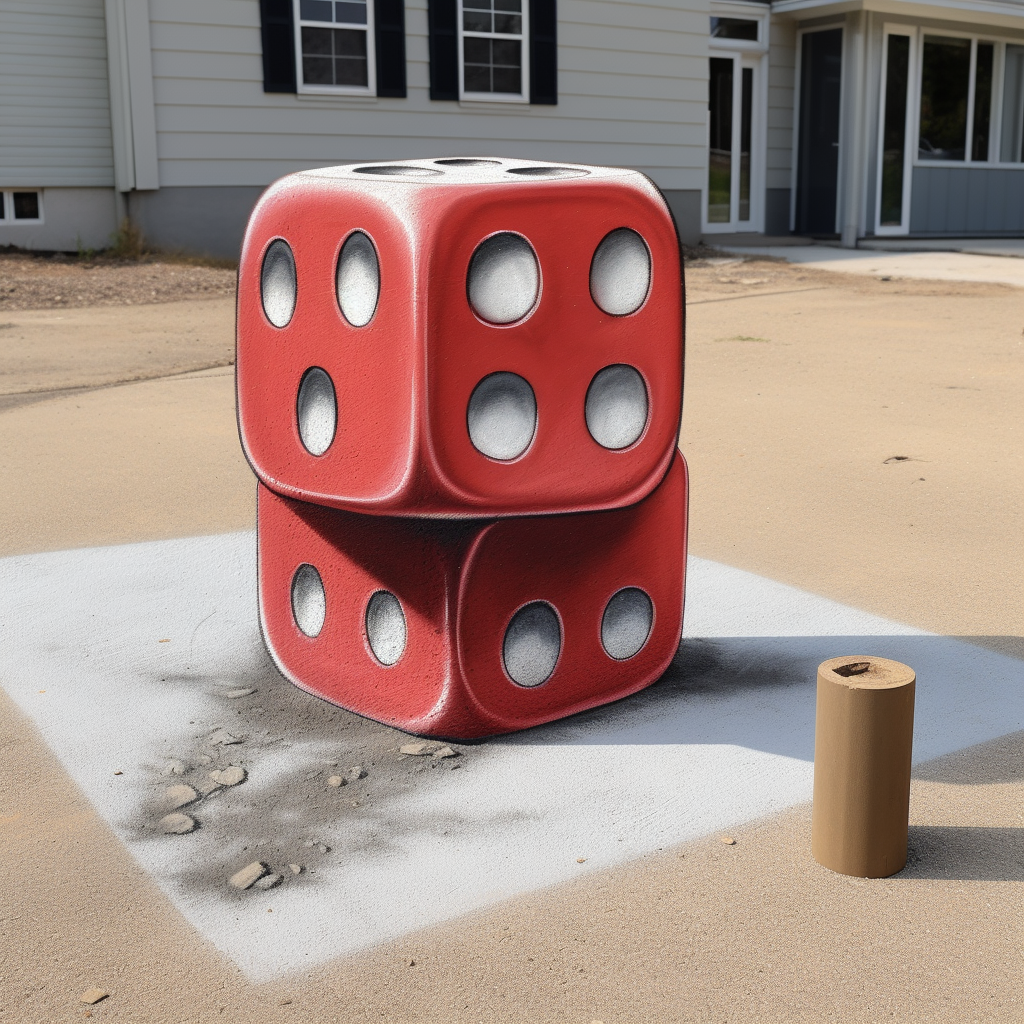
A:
<point x="1003" y="13"/>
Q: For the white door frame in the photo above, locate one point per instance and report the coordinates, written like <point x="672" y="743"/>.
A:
<point x="757" y="63"/>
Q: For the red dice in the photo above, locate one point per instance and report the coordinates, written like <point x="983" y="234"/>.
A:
<point x="461" y="338"/>
<point x="463" y="629"/>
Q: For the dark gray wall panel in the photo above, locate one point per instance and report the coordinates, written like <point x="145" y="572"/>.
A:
<point x="685" y="207"/>
<point x="967" y="201"/>
<point x="205" y="219"/>
<point x="776" y="211"/>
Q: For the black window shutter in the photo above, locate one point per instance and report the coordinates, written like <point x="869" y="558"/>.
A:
<point x="278" y="32"/>
<point x="442" y="24"/>
<point x="389" y="28"/>
<point x="543" y="52"/>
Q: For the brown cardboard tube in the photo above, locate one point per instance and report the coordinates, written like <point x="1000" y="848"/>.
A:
<point x="863" y="736"/>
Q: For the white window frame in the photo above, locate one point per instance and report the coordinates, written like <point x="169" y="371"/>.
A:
<point x="910" y="139"/>
<point x="9" y="220"/>
<point x="996" y="115"/>
<point x="752" y="54"/>
<point x="725" y="9"/>
<point x="370" y="89"/>
<point x="524" y="38"/>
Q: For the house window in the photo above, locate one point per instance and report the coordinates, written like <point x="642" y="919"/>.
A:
<point x="18" y="206"/>
<point x="1011" y="147"/>
<point x="494" y="57"/>
<point x="735" y="28"/>
<point x="956" y="99"/>
<point x="335" y="54"/>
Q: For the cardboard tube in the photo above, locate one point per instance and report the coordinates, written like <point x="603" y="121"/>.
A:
<point x="864" y="732"/>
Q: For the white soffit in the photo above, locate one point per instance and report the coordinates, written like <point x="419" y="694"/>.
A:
<point x="1003" y="13"/>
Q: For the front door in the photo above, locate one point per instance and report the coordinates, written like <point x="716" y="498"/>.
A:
<point x="731" y="89"/>
<point x="817" y="176"/>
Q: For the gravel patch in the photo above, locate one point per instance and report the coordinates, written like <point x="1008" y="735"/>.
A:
<point x="64" y="282"/>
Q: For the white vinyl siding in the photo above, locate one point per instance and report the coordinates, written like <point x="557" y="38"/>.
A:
<point x="632" y="83"/>
<point x="781" y="79"/>
<point x="54" y="100"/>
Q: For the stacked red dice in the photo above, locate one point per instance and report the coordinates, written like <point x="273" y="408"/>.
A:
<point x="460" y="386"/>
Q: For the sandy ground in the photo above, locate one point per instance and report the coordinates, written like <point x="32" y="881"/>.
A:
<point x="857" y="438"/>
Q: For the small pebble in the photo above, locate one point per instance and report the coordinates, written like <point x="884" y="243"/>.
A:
<point x="207" y="786"/>
<point x="179" y="796"/>
<point x="356" y="772"/>
<point x="230" y="776"/>
<point x="224" y="738"/>
<point x="268" y="881"/>
<point x="178" y="824"/>
<point x="336" y="781"/>
<point x="91" y="996"/>
<point x="445" y="752"/>
<point x="295" y="869"/>
<point x="581" y="860"/>
<point x="248" y="875"/>
<point x="728" y="840"/>
<point x="417" y="749"/>
<point x="235" y="694"/>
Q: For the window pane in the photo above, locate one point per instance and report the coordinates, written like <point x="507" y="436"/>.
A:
<point x="317" y="71"/>
<point x="477" y="51"/>
<point x="510" y="24"/>
<point x="476" y="21"/>
<point x="349" y="71"/>
<point x="945" y="71"/>
<point x="982" y="100"/>
<point x="734" y="28"/>
<point x="720" y="141"/>
<point x="1013" y="106"/>
<point x="316" y="41"/>
<point x="349" y="43"/>
<point x="509" y="5"/>
<point x="746" y="115"/>
<point x="508" y="80"/>
<point x="506" y="52"/>
<point x="350" y="13"/>
<point x="477" y="78"/>
<point x="894" y="130"/>
<point x="3" y="212"/>
<point x="315" y="10"/>
<point x="26" y="205"/>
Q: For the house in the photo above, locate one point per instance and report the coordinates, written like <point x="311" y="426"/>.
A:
<point x="832" y="118"/>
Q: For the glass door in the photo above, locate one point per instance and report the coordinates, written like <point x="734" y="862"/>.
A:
<point x="731" y="97"/>
<point x="894" y="136"/>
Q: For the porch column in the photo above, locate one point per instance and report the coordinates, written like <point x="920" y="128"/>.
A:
<point x="854" y="148"/>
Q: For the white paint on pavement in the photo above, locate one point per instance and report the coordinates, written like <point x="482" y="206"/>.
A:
<point x="725" y="738"/>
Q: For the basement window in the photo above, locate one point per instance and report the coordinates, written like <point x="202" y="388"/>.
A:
<point x="21" y="206"/>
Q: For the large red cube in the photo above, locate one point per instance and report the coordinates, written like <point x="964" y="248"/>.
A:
<point x="461" y="338"/>
<point x="462" y="629"/>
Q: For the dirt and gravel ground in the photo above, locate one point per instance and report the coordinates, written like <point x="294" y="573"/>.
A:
<point x="60" y="281"/>
<point x="855" y="437"/>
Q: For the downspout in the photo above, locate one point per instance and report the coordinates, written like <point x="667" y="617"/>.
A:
<point x="132" y="111"/>
<point x="854" y="177"/>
